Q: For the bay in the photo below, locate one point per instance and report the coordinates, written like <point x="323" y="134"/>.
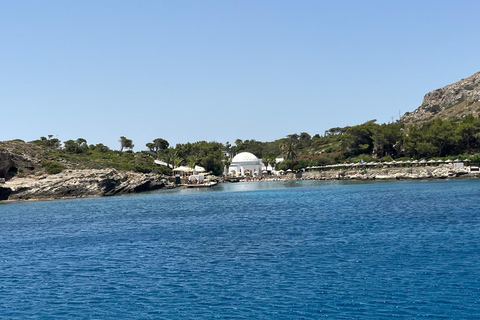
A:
<point x="267" y="250"/>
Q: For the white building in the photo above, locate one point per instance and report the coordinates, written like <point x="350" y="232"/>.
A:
<point x="245" y="164"/>
<point x="269" y="167"/>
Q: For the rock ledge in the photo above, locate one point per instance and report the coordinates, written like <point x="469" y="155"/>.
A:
<point x="80" y="183"/>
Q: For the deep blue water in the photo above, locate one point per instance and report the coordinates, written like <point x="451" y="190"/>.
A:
<point x="270" y="250"/>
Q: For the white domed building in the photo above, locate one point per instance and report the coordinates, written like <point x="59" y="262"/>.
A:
<point x="245" y="164"/>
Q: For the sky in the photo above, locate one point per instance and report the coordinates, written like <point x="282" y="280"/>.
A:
<point x="196" y="70"/>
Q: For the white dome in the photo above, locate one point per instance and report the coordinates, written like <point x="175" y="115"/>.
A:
<point x="245" y="157"/>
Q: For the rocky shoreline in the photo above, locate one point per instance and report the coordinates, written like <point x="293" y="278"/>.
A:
<point x="107" y="182"/>
<point x="80" y="183"/>
<point x="412" y="173"/>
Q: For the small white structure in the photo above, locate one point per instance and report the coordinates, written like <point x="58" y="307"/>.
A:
<point x="162" y="163"/>
<point x="270" y="168"/>
<point x="245" y="164"/>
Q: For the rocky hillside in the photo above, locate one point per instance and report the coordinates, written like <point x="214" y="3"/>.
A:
<point x="455" y="100"/>
<point x="19" y="157"/>
<point x="24" y="174"/>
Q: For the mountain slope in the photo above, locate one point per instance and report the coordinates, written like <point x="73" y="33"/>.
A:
<point x="452" y="101"/>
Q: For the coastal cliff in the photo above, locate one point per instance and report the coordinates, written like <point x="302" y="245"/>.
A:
<point x="80" y="183"/>
<point x="452" y="101"/>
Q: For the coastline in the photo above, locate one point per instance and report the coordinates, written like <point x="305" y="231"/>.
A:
<point x="72" y="184"/>
<point x="441" y="172"/>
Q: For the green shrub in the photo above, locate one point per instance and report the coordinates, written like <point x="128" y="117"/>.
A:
<point x="386" y="159"/>
<point x="53" y="167"/>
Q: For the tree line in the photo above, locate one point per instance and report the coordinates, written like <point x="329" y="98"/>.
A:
<point x="368" y="141"/>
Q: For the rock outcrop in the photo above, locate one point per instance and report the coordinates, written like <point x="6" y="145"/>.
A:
<point x="17" y="156"/>
<point x="455" y="100"/>
<point x="6" y="165"/>
<point x="80" y="183"/>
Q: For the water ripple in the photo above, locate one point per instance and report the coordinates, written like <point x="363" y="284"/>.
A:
<point x="294" y="250"/>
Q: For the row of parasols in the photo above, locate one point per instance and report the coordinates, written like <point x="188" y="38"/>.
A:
<point x="391" y="163"/>
<point x="182" y="169"/>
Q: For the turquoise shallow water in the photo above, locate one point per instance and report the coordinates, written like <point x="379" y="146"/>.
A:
<point x="270" y="250"/>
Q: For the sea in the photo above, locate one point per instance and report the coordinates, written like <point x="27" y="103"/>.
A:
<point x="254" y="250"/>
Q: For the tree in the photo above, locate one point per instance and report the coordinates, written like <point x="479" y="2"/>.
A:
<point x="82" y="144"/>
<point x="192" y="160"/>
<point x="100" y="147"/>
<point x="158" y="145"/>
<point x="426" y="149"/>
<point x="51" y="143"/>
<point x="227" y="161"/>
<point x="289" y="150"/>
<point x="358" y="139"/>
<point x="70" y="146"/>
<point x="150" y="146"/>
<point x="177" y="161"/>
<point x="168" y="155"/>
<point x="78" y="146"/>
<point x="269" y="159"/>
<point x="469" y="130"/>
<point x="293" y="137"/>
<point x="305" y="140"/>
<point x="272" y="161"/>
<point x="442" y="134"/>
<point x="265" y="161"/>
<point x="213" y="162"/>
<point x="125" y="143"/>
<point x="227" y="149"/>
<point x="253" y="146"/>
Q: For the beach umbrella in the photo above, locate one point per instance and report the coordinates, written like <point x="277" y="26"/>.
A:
<point x="199" y="169"/>
<point x="183" y="169"/>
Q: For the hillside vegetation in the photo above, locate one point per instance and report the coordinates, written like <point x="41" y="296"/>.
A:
<point x="446" y="125"/>
<point x="378" y="142"/>
<point x="50" y="156"/>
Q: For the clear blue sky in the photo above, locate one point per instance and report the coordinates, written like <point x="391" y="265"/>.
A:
<point x="220" y="70"/>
